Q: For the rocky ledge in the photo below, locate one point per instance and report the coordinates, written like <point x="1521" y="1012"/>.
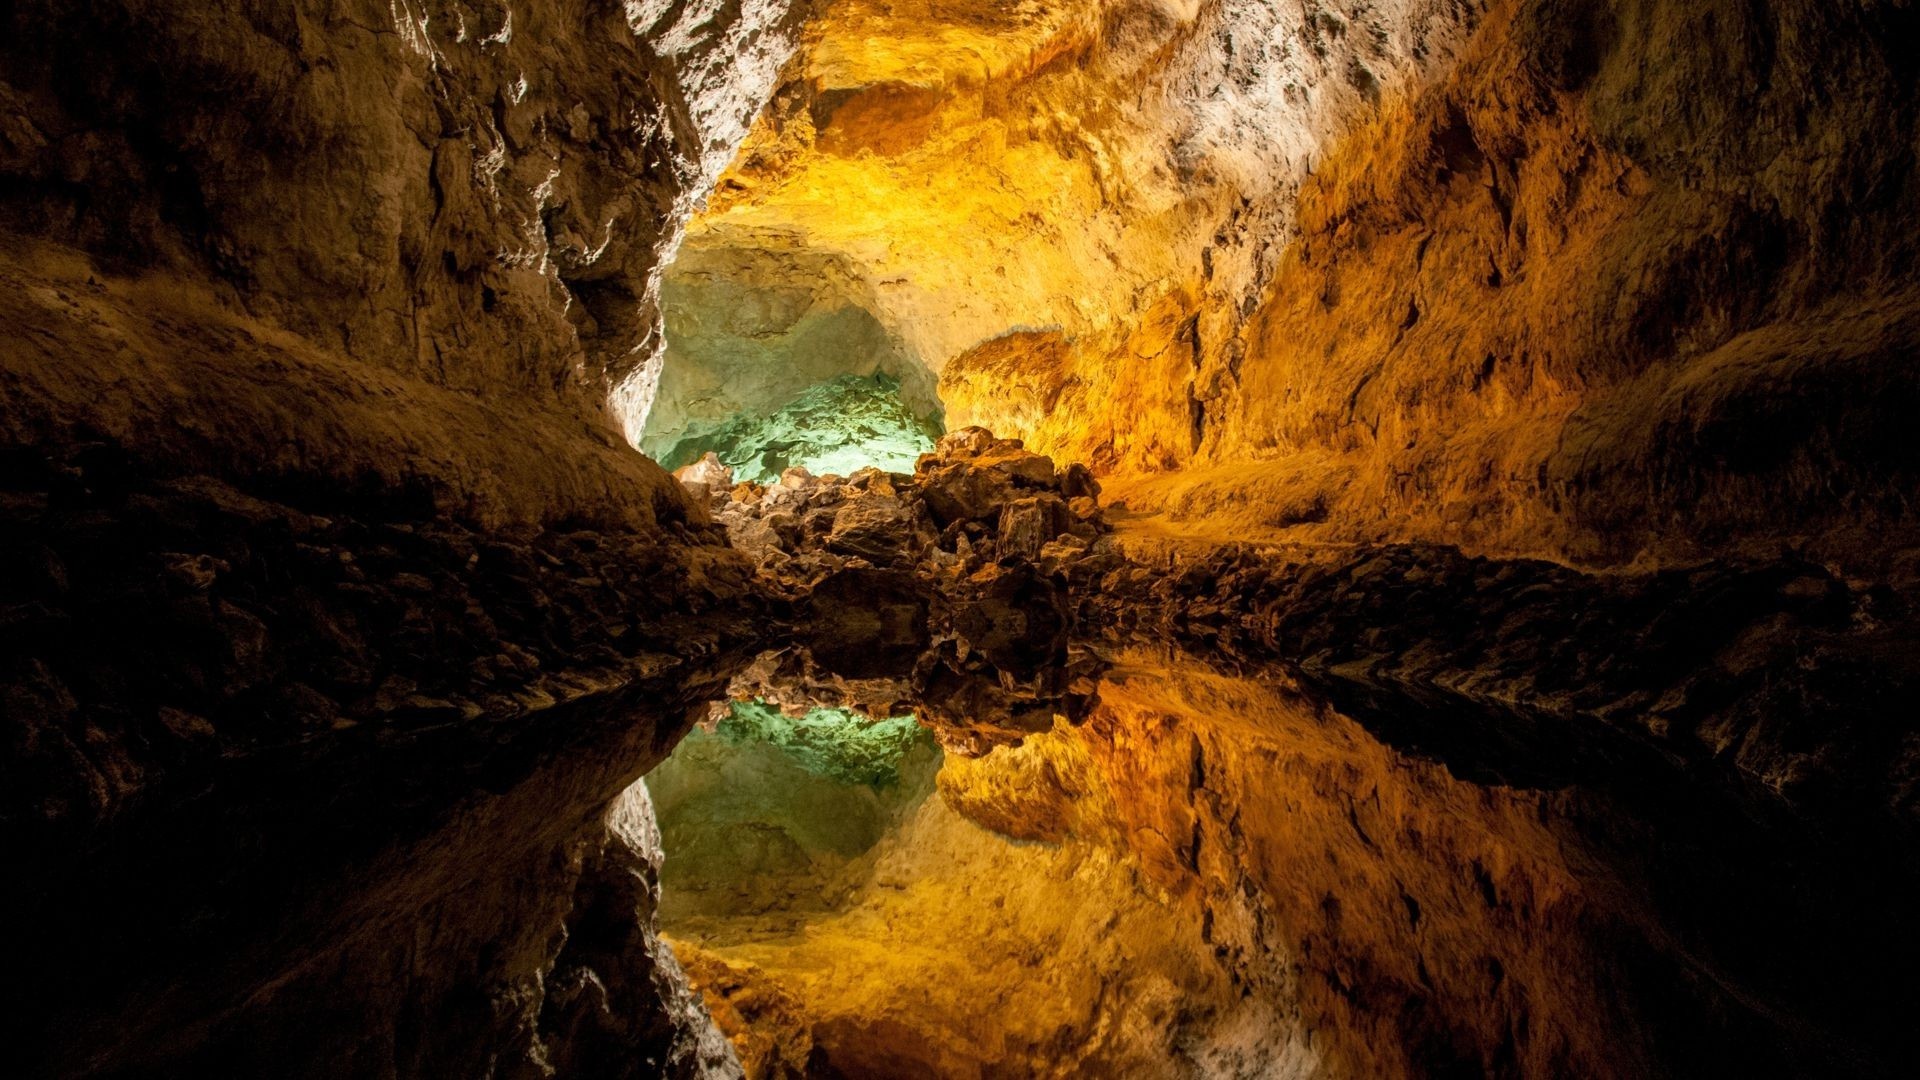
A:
<point x="353" y="752"/>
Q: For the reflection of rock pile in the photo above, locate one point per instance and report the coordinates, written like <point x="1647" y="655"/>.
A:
<point x="955" y="688"/>
<point x="949" y="586"/>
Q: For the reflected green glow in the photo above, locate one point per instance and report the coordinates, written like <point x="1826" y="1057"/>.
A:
<point x="832" y="743"/>
<point x="837" y="426"/>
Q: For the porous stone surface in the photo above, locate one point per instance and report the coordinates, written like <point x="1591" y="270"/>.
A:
<point x="346" y="614"/>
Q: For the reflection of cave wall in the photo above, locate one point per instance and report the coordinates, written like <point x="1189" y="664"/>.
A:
<point x="753" y="321"/>
<point x="1215" y="875"/>
<point x="770" y="816"/>
<point x="951" y="950"/>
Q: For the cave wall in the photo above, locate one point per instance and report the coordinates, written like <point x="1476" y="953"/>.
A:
<point x="478" y="193"/>
<point x="1075" y="180"/>
<point x="344" y="610"/>
<point x="1634" y="279"/>
<point x="389" y="202"/>
<point x="1598" y="281"/>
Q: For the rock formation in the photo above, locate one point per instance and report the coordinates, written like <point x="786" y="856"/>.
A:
<point x="341" y="615"/>
<point x="1421" y="580"/>
<point x="1528" y="276"/>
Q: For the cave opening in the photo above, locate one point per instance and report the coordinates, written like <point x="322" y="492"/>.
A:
<point x="778" y="355"/>
<point x="766" y="817"/>
<point x="835" y="427"/>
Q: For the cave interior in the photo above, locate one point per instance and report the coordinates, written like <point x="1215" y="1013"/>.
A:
<point x="785" y="539"/>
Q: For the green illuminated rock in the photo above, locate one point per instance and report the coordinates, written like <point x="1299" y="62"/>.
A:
<point x="836" y="426"/>
<point x="831" y="743"/>
<point x="770" y="814"/>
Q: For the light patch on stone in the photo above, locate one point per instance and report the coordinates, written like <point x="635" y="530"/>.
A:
<point x="835" y="743"/>
<point x="838" y="426"/>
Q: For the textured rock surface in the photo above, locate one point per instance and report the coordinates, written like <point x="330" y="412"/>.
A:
<point x="974" y="503"/>
<point x="747" y="331"/>
<point x="1596" y="281"/>
<point x="1634" y="279"/>
<point x="344" y="614"/>
<point x="476" y="193"/>
<point x="340" y="619"/>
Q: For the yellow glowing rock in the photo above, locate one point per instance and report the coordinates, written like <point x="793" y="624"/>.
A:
<point x="1405" y="277"/>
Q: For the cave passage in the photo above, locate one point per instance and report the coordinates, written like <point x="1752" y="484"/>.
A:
<point x="1231" y="540"/>
<point x="779" y="355"/>
<point x="839" y="426"/>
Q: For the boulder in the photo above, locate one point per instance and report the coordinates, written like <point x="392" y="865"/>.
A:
<point x="956" y="491"/>
<point x="1076" y="481"/>
<point x="1023" y="465"/>
<point x="709" y="470"/>
<point x="964" y="443"/>
<point x="875" y="527"/>
<point x="1027" y="524"/>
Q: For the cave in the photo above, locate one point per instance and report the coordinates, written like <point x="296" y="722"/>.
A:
<point x="927" y="538"/>
<point x="773" y="358"/>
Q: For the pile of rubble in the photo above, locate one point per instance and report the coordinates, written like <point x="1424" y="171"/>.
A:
<point x="975" y="502"/>
<point x="952" y="588"/>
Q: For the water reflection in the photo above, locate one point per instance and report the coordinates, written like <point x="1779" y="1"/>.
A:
<point x="1139" y="862"/>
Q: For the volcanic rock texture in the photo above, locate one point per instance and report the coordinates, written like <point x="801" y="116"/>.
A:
<point x="340" y="617"/>
<point x="1592" y="280"/>
<point x="339" y="614"/>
